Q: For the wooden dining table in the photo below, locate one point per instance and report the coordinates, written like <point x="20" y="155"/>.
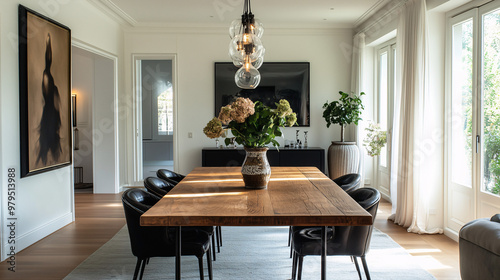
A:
<point x="216" y="196"/>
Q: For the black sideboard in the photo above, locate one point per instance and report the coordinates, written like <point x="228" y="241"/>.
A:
<point x="213" y="157"/>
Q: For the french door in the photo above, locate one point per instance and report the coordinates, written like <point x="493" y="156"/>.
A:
<point x="386" y="80"/>
<point x="473" y="126"/>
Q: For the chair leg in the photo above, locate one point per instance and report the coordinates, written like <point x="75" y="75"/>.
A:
<point x="289" y="235"/>
<point x="301" y="260"/>
<point x="294" y="266"/>
<point x="137" y="267"/>
<point x="220" y="235"/>
<point x="209" y="263"/>
<point x="365" y="267"/>
<point x="142" y="269"/>
<point x="213" y="245"/>
<point x="200" y="264"/>
<point x="357" y="266"/>
<point x="218" y="231"/>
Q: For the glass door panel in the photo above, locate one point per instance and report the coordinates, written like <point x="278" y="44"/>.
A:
<point x="491" y="103"/>
<point x="461" y="104"/>
<point x="383" y="93"/>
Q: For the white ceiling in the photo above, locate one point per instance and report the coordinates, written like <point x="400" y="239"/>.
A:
<point x="217" y="13"/>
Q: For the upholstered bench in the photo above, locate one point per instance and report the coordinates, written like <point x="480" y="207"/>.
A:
<point x="480" y="249"/>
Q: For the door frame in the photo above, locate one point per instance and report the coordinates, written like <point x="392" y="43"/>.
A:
<point x="387" y="46"/>
<point x="98" y="52"/>
<point x="137" y="115"/>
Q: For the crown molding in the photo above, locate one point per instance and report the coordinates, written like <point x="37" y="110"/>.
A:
<point x="374" y="9"/>
<point x="114" y="12"/>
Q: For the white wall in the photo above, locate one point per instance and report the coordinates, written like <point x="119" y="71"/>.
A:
<point x="196" y="54"/>
<point x="44" y="202"/>
<point x="105" y="142"/>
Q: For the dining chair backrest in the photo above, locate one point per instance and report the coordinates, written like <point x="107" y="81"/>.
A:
<point x="348" y="182"/>
<point x="169" y="175"/>
<point x="157" y="186"/>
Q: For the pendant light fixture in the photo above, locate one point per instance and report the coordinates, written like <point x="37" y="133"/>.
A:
<point x="246" y="49"/>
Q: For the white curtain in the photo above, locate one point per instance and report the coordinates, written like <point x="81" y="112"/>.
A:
<point x="410" y="207"/>
<point x="357" y="87"/>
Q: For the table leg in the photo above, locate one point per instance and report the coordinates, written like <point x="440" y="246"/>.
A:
<point x="323" y="252"/>
<point x="178" y="253"/>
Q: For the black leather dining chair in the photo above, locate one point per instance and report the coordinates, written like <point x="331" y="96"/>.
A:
<point x="348" y="182"/>
<point x="158" y="187"/>
<point x="174" y="178"/>
<point x="153" y="241"/>
<point x="169" y="176"/>
<point x="351" y="241"/>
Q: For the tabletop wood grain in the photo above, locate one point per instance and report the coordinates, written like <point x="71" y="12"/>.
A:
<point x="217" y="196"/>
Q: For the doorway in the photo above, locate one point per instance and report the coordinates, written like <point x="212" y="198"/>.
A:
<point x="155" y="85"/>
<point x="95" y="154"/>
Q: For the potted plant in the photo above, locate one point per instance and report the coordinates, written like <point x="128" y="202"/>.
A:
<point x="254" y="125"/>
<point x="343" y="157"/>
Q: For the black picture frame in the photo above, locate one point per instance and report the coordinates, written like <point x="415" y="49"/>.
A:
<point x="279" y="80"/>
<point x="44" y="93"/>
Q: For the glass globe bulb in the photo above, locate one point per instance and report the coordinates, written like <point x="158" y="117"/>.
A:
<point x="236" y="48"/>
<point x="258" y="63"/>
<point x="258" y="28"/>
<point x="235" y="28"/>
<point x="247" y="77"/>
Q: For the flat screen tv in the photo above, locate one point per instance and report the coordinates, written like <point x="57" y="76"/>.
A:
<point x="279" y="80"/>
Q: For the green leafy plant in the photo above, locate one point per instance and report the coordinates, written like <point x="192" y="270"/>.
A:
<point x="375" y="139"/>
<point x="345" y="111"/>
<point x="252" y="124"/>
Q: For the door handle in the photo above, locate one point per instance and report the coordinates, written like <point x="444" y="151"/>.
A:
<point x="478" y="141"/>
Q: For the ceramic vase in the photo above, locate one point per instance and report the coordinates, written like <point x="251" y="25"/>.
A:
<point x="343" y="158"/>
<point x="256" y="170"/>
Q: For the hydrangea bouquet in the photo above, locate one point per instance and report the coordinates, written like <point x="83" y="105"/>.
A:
<point x="375" y="139"/>
<point x="252" y="124"/>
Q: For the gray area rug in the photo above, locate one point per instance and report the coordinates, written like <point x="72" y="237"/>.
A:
<point x="250" y="253"/>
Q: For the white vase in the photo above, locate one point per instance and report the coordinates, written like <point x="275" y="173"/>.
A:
<point x="343" y="158"/>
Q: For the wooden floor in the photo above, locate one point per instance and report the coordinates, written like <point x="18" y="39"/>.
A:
<point x="99" y="217"/>
<point x="438" y="254"/>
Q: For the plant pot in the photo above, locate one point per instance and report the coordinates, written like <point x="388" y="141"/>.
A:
<point x="256" y="170"/>
<point x="343" y="158"/>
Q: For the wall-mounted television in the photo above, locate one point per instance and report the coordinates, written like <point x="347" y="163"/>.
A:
<point x="279" y="80"/>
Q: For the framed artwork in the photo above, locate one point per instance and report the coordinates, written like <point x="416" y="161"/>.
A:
<point x="45" y="93"/>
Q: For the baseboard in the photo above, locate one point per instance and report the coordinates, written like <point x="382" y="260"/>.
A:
<point x="36" y="234"/>
<point x="386" y="197"/>
<point x="451" y="234"/>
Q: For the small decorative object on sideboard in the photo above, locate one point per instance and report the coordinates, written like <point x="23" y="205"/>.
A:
<point x="305" y="139"/>
<point x="343" y="157"/>
<point x="253" y="125"/>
